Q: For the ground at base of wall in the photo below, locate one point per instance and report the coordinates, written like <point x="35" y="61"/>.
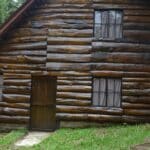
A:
<point x="114" y="137"/>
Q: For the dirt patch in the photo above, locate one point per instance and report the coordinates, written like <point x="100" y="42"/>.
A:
<point x="145" y="146"/>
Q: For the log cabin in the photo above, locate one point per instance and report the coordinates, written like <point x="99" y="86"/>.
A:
<point x="67" y="62"/>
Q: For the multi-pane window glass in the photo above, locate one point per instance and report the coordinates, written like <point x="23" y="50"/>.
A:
<point x="108" y="24"/>
<point x="1" y="87"/>
<point x="106" y="92"/>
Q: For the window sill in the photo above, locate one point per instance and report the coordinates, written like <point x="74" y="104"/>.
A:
<point x="107" y="40"/>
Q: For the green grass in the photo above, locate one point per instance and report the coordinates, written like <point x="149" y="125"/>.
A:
<point x="110" y="137"/>
<point x="114" y="137"/>
<point x="6" y="140"/>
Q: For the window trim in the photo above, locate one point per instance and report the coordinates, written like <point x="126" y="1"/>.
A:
<point x="108" y="39"/>
<point x="107" y="107"/>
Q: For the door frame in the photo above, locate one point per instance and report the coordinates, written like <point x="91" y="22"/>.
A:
<point x="41" y="74"/>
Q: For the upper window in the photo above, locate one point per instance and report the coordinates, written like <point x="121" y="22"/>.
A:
<point x="1" y="86"/>
<point x="107" y="92"/>
<point x="108" y="24"/>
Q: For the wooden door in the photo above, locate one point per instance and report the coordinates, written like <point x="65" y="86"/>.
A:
<point x="43" y="103"/>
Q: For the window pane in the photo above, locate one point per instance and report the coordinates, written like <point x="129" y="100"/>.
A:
<point x="110" y="92"/>
<point x="102" y="94"/>
<point x="98" y="22"/>
<point x="112" y="24"/>
<point x="118" y="24"/>
<point x="117" y="97"/>
<point x="105" y="16"/>
<point x="96" y="92"/>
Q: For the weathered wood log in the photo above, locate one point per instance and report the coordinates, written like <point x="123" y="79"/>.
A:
<point x="73" y="102"/>
<point x="27" y="46"/>
<point x="120" y="47"/>
<point x="16" y="76"/>
<point x="126" y="105"/>
<point x="137" y="112"/>
<point x="71" y="49"/>
<point x="118" y="57"/>
<point x="14" y="119"/>
<point x="142" y="79"/>
<point x="135" y="85"/>
<point x="68" y="57"/>
<point x="136" y="99"/>
<point x="17" y="90"/>
<point x="70" y="33"/>
<point x="136" y="92"/>
<point x="88" y="110"/>
<point x="120" y="74"/>
<point x="15" y="112"/>
<point x="88" y="117"/>
<point x="82" y="89"/>
<point x="17" y="82"/>
<point x="139" y="18"/>
<point x="136" y="119"/>
<point x="15" y="105"/>
<point x="22" y="59"/>
<point x="120" y="67"/>
<point x="84" y="96"/>
<point x="74" y="82"/>
<point x="68" y="66"/>
<point x="69" y="41"/>
<point x="13" y="98"/>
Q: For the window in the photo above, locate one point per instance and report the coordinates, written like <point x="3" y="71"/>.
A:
<point x="108" y="24"/>
<point x="1" y="87"/>
<point x="106" y="92"/>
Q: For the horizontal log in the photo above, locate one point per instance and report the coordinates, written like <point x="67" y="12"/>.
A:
<point x="17" y="82"/>
<point x="87" y="16"/>
<point x="67" y="66"/>
<point x="117" y="57"/>
<point x="68" y="41"/>
<point x="126" y="105"/>
<point x="142" y="79"/>
<point x="14" y="119"/>
<point x="68" y="57"/>
<point x="73" y="102"/>
<point x="70" y="33"/>
<point x="19" y="32"/>
<point x="136" y="92"/>
<point x="17" y="90"/>
<point x="75" y="88"/>
<point x="137" y="112"/>
<point x="74" y="95"/>
<point x="137" y="12"/>
<point x="136" y="85"/>
<point x="15" y="111"/>
<point x="16" y="71"/>
<point x="74" y="82"/>
<point x="120" y="74"/>
<point x="71" y="49"/>
<point x="16" y="76"/>
<point x="88" y="117"/>
<point x="22" y="66"/>
<point x="22" y="59"/>
<point x="88" y="110"/>
<point x="27" y="39"/>
<point x="13" y="98"/>
<point x="120" y="47"/>
<point x="136" y="99"/>
<point x="60" y="10"/>
<point x="15" y="105"/>
<point x="38" y="53"/>
<point x="136" y="119"/>
<point x="134" y="35"/>
<point x="138" y="19"/>
<point x="121" y="67"/>
<point x="73" y="78"/>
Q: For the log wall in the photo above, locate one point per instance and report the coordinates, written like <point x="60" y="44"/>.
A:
<point x="57" y="37"/>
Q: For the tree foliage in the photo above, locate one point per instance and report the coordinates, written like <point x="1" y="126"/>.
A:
<point x="7" y="7"/>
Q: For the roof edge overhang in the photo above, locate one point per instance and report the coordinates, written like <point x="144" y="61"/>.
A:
<point x="16" y="17"/>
